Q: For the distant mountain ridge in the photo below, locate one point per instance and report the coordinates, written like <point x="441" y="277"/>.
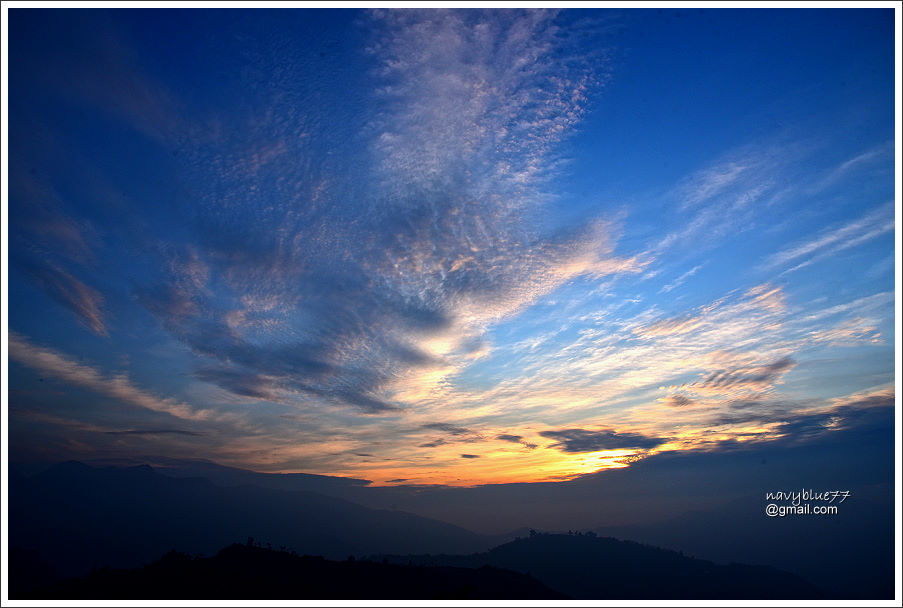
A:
<point x="544" y="566"/>
<point x="77" y="517"/>
<point x="223" y="475"/>
<point x="74" y="518"/>
<point x="860" y="536"/>
<point x="589" y="567"/>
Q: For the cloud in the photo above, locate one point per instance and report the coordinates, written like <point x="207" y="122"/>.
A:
<point x="100" y="71"/>
<point x="471" y="83"/>
<point x="678" y="400"/>
<point x="470" y="456"/>
<point x="47" y="240"/>
<point x="84" y="301"/>
<point x="43" y="227"/>
<point x="453" y="434"/>
<point x="669" y="327"/>
<point x="708" y="183"/>
<point x="316" y="366"/>
<point x="369" y="285"/>
<point x="873" y="224"/>
<point x="240" y="382"/>
<point x="511" y="438"/>
<point x="583" y="440"/>
<point x="448" y="428"/>
<point x="517" y="439"/>
<point x="722" y="199"/>
<point x="879" y="151"/>
<point x="882" y="151"/>
<point x="877" y="397"/>
<point x="680" y="280"/>
<point x="799" y="423"/>
<point x="687" y="387"/>
<point x="726" y="380"/>
<point x="118" y="387"/>
<point x="764" y="296"/>
<point x="768" y="297"/>
<point x="365" y="258"/>
<point x="155" y="432"/>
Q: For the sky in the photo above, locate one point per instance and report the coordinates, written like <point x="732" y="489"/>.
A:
<point x="447" y="247"/>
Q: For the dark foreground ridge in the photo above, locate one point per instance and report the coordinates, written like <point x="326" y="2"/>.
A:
<point x="588" y="567"/>
<point x="73" y="518"/>
<point x="247" y="572"/>
<point x="544" y="566"/>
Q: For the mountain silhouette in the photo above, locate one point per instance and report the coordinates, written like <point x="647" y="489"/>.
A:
<point x="225" y="476"/>
<point x="539" y="567"/>
<point x="77" y="517"/>
<point x="849" y="554"/>
<point x="73" y="518"/>
<point x="589" y="567"/>
<point x="247" y="572"/>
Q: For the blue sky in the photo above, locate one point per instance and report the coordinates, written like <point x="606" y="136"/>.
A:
<point x="446" y="246"/>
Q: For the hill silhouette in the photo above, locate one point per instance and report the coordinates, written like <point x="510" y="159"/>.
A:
<point x="76" y="517"/>
<point x="246" y="572"/>
<point x="589" y="567"/>
<point x="221" y="475"/>
<point x="850" y="554"/>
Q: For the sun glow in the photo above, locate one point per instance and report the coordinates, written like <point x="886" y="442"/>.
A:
<point x="457" y="467"/>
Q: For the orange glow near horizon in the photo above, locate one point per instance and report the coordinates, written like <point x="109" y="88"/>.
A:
<point x="502" y="466"/>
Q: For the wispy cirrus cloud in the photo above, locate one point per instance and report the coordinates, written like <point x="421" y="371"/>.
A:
<point x="371" y="293"/>
<point x="103" y="73"/>
<point x="883" y="151"/>
<point x="709" y="183"/>
<point x="44" y="228"/>
<point x="49" y="241"/>
<point x="743" y="378"/>
<point x="621" y="372"/>
<point x="368" y="277"/>
<point x="448" y="428"/>
<point x="725" y="197"/>
<point x="873" y="224"/>
<point x="84" y="301"/>
<point x="669" y="327"/>
<point x="680" y="280"/>
<point x="120" y="387"/>
<point x="155" y="432"/>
